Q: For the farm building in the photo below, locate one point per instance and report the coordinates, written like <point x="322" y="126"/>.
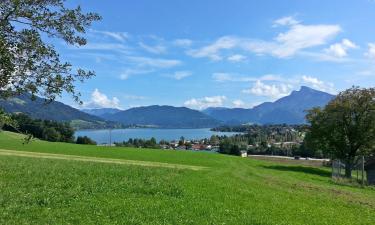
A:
<point x="370" y="171"/>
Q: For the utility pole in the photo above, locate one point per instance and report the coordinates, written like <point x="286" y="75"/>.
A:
<point x="110" y="137"/>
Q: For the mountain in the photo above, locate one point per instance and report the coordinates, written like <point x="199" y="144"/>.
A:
<point x="289" y="109"/>
<point x="165" y="117"/>
<point x="210" y="110"/>
<point x="103" y="112"/>
<point x="40" y="109"/>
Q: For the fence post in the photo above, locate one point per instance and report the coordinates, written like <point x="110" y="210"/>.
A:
<point x="363" y="170"/>
<point x="357" y="172"/>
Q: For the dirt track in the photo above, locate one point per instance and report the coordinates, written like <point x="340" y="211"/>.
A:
<point x="4" y="152"/>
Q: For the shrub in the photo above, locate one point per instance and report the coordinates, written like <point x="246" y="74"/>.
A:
<point x="85" y="141"/>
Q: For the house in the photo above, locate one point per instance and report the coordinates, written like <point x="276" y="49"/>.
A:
<point x="370" y="171"/>
<point x="250" y="147"/>
<point x="181" y="147"/>
<point x="174" y="144"/>
<point x="243" y="154"/>
<point x="164" y="146"/>
<point x="106" y="145"/>
<point x="198" y="147"/>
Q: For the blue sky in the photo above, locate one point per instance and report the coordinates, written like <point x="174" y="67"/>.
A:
<point x="235" y="53"/>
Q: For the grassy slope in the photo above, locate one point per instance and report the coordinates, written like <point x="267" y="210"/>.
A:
<point x="233" y="191"/>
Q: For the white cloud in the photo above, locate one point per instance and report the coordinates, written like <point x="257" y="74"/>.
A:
<point x="268" y="86"/>
<point x="270" y="77"/>
<point x="179" y="75"/>
<point x="158" y="49"/>
<point x="103" y="46"/>
<point x="285" y="21"/>
<point x="126" y="74"/>
<point x="318" y="84"/>
<point x="303" y="36"/>
<point x="320" y="56"/>
<point x="212" y="51"/>
<point x="119" y="36"/>
<point x="273" y="91"/>
<point x="370" y="51"/>
<point x="340" y="49"/>
<point x="226" y="77"/>
<point x="237" y="58"/>
<point x="202" y="103"/>
<point x="154" y="62"/>
<point x="100" y="100"/>
<point x="134" y="97"/>
<point x="222" y="77"/>
<point x="183" y="42"/>
<point x="238" y="103"/>
<point x="285" y="44"/>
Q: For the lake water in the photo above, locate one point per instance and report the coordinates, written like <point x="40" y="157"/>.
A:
<point x="119" y="135"/>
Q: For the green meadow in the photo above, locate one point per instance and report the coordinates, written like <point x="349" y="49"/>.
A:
<point x="58" y="183"/>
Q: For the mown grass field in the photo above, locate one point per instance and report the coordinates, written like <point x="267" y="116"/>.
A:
<point x="224" y="190"/>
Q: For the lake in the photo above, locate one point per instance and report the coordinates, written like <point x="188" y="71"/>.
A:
<point x="119" y="135"/>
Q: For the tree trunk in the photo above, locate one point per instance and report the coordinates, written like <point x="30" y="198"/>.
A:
<point x="348" y="170"/>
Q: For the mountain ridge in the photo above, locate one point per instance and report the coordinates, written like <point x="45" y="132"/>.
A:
<point x="39" y="108"/>
<point x="164" y="116"/>
<point x="289" y="109"/>
<point x="99" y="112"/>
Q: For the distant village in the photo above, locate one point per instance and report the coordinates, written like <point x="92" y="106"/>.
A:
<point x="204" y="145"/>
<point x="284" y="140"/>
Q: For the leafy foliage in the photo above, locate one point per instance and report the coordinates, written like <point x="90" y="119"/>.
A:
<point x="278" y="139"/>
<point x="229" y="147"/>
<point x="42" y="129"/>
<point x="28" y="63"/>
<point x="139" y="143"/>
<point x="85" y="141"/>
<point x="345" y="128"/>
<point x="6" y="119"/>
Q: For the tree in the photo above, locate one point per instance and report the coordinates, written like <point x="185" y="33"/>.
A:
<point x="27" y="62"/>
<point x="225" y="146"/>
<point x="214" y="140"/>
<point x="345" y="128"/>
<point x="85" y="141"/>
<point x="5" y="119"/>
<point x="181" y="141"/>
<point x="51" y="134"/>
<point x="235" y="149"/>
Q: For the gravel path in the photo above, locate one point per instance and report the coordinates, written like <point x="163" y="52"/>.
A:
<point x="4" y="152"/>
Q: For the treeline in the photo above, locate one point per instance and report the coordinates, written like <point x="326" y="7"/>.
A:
<point x="262" y="129"/>
<point x="235" y="144"/>
<point x="139" y="143"/>
<point x="282" y="139"/>
<point x="257" y="134"/>
<point x="47" y="130"/>
<point x="42" y="129"/>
